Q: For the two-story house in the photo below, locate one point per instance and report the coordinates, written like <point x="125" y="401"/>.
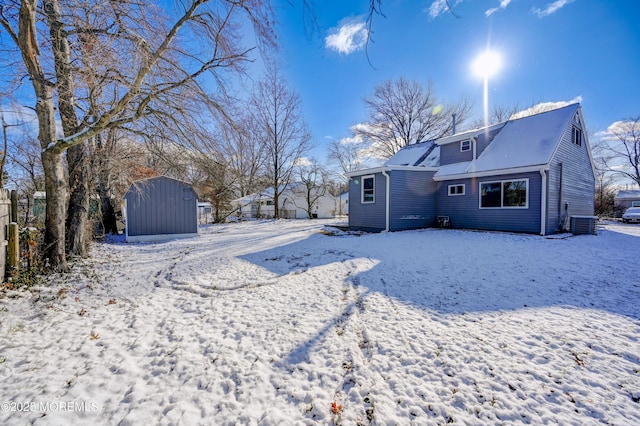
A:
<point x="530" y="174"/>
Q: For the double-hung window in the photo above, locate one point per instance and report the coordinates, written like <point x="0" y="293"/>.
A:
<point x="577" y="136"/>
<point x="504" y="194"/>
<point x="368" y="189"/>
<point x="465" y="145"/>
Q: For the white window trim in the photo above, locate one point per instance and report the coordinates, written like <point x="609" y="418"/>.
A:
<point x="635" y="203"/>
<point x="576" y="131"/>
<point x="362" y="189"/>
<point x="526" y="206"/>
<point x="456" y="194"/>
<point x="468" y="146"/>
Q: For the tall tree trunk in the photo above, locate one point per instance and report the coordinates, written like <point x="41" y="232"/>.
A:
<point x="104" y="148"/>
<point x="78" y="210"/>
<point x="56" y="187"/>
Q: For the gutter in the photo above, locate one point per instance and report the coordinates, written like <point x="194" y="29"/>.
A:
<point x="387" y="203"/>
<point x="390" y="167"/>
<point x="485" y="173"/>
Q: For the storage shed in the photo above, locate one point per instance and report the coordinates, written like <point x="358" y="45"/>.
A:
<point x="160" y="208"/>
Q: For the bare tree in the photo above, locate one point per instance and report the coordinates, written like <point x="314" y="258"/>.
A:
<point x="313" y="184"/>
<point x="241" y="144"/>
<point x="155" y="63"/>
<point x="27" y="175"/>
<point x="5" y="145"/>
<point x="498" y="114"/>
<point x="283" y="133"/>
<point x="404" y="112"/>
<point x="620" y="147"/>
<point x="348" y="154"/>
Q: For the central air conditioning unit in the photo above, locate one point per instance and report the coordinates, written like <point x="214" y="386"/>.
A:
<point x="583" y="225"/>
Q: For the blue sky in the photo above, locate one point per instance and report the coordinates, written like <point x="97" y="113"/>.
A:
<point x="552" y="51"/>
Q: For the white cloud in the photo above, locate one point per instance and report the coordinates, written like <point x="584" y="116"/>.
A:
<point x="349" y="36"/>
<point x="618" y="128"/>
<point x="303" y="162"/>
<point x="545" y="106"/>
<point x="503" y="5"/>
<point x="551" y="8"/>
<point x="438" y="7"/>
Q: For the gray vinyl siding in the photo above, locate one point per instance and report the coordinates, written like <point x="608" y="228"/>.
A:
<point x="450" y="153"/>
<point x="464" y="211"/>
<point x="570" y="165"/>
<point x="413" y="200"/>
<point x="159" y="206"/>
<point x="367" y="216"/>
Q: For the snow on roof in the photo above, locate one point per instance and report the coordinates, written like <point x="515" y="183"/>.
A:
<point x="522" y="142"/>
<point x="626" y="194"/>
<point x="468" y="134"/>
<point x="421" y="154"/>
<point x="526" y="141"/>
<point x="453" y="169"/>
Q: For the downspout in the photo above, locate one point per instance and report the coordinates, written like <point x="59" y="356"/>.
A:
<point x="543" y="203"/>
<point x="475" y="150"/>
<point x="387" y="204"/>
<point x="561" y="218"/>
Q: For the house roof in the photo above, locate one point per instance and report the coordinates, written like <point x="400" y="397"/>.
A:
<point x="423" y="154"/>
<point x="467" y="134"/>
<point x="518" y="145"/>
<point x="521" y="143"/>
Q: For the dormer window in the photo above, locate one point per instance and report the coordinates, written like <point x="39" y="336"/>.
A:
<point x="465" y="145"/>
<point x="577" y="136"/>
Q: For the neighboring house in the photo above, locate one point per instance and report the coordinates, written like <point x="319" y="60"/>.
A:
<point x="343" y="204"/>
<point x="625" y="199"/>
<point x="292" y="204"/>
<point x="205" y="212"/>
<point x="160" y="208"/>
<point x="530" y="175"/>
<point x="40" y="205"/>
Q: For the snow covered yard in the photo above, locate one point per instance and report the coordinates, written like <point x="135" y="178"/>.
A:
<point x="275" y="323"/>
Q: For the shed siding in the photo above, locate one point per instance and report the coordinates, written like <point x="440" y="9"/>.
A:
<point x="161" y="206"/>
<point x="413" y="200"/>
<point x="464" y="211"/>
<point x="571" y="183"/>
<point x="367" y="216"/>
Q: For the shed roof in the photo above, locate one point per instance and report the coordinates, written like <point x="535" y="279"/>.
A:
<point x="139" y="184"/>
